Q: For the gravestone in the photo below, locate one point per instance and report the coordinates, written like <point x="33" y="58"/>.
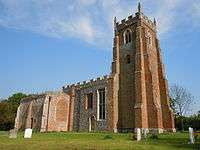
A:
<point x="154" y="133"/>
<point x="13" y="134"/>
<point x="191" y="133"/>
<point x="28" y="133"/>
<point x="138" y="134"/>
<point x="145" y="131"/>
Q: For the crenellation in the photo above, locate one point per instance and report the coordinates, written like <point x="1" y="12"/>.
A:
<point x="149" y="22"/>
<point x="123" y="21"/>
<point x="130" y="17"/>
<point x="126" y="21"/>
<point x="117" y="23"/>
<point x="85" y="83"/>
<point x="133" y="19"/>
<point x="105" y="77"/>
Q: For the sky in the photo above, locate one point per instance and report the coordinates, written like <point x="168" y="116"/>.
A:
<point x="46" y="44"/>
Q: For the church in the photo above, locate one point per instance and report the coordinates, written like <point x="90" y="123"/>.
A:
<point x="134" y="95"/>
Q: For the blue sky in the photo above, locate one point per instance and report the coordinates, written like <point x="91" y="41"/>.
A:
<point x="46" y="44"/>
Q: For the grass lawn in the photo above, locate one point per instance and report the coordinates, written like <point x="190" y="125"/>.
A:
<point x="95" y="141"/>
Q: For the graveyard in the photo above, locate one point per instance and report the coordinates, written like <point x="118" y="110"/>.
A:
<point x="96" y="141"/>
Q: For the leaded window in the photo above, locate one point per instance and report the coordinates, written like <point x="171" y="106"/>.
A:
<point x="101" y="104"/>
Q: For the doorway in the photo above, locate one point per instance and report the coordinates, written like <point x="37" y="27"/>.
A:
<point x="31" y="123"/>
<point x="92" y="124"/>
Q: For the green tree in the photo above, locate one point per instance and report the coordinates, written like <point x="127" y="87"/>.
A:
<point x="16" y="98"/>
<point x="198" y="113"/>
<point x="7" y="116"/>
<point x="8" y="110"/>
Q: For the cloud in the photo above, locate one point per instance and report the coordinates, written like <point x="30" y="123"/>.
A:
<point x="87" y="2"/>
<point x="195" y="13"/>
<point x="88" y="20"/>
<point x="165" y="13"/>
<point x="165" y="22"/>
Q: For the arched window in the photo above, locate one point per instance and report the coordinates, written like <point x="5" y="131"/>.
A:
<point x="128" y="59"/>
<point x="127" y="36"/>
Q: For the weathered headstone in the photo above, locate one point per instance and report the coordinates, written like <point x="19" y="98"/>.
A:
<point x="115" y="130"/>
<point x="138" y="134"/>
<point x="191" y="133"/>
<point x="13" y="134"/>
<point x="145" y="131"/>
<point x="154" y="134"/>
<point x="28" y="133"/>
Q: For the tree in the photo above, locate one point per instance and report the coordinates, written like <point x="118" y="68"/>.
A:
<point x="16" y="98"/>
<point x="7" y="116"/>
<point x="8" y="110"/>
<point x="172" y="105"/>
<point x="198" y="113"/>
<point x="181" y="100"/>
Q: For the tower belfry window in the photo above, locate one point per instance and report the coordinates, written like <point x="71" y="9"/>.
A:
<point x="127" y="36"/>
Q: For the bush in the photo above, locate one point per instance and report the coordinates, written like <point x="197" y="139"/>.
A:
<point x="191" y="121"/>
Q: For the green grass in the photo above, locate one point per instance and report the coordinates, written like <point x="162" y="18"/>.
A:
<point x="95" y="141"/>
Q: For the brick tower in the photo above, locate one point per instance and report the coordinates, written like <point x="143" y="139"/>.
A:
<point x="140" y="90"/>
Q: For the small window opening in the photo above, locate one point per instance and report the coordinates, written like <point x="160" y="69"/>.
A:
<point x="90" y="101"/>
<point x="31" y="123"/>
<point x="127" y="36"/>
<point x="128" y="59"/>
<point x="149" y="39"/>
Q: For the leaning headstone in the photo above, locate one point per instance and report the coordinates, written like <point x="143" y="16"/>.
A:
<point x="13" y="134"/>
<point x="191" y="133"/>
<point x="28" y="133"/>
<point x="138" y="134"/>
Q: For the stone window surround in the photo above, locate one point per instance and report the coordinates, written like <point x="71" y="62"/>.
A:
<point x="87" y="101"/>
<point x="98" y="119"/>
<point x="127" y="37"/>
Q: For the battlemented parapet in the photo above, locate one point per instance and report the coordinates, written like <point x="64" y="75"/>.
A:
<point x="134" y="20"/>
<point x="86" y="83"/>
